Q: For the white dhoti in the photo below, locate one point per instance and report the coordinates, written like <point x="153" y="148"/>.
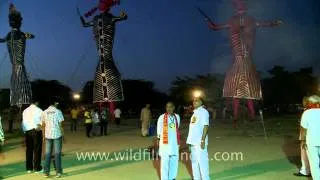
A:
<point x="145" y="119"/>
<point x="305" y="167"/>
<point x="314" y="160"/>
<point x="145" y="127"/>
<point x="169" y="167"/>
<point x="200" y="163"/>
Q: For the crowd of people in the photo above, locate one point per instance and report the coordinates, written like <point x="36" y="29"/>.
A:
<point x="44" y="129"/>
<point x="95" y="120"/>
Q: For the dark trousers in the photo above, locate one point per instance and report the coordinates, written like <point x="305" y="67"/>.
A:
<point x="74" y="123"/>
<point x="103" y="128"/>
<point x="117" y="121"/>
<point x="33" y="140"/>
<point x="88" y="129"/>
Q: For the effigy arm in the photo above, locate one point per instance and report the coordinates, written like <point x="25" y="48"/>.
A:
<point x="217" y="27"/>
<point x="84" y="23"/>
<point x="122" y="17"/>
<point x="211" y="24"/>
<point x="2" y="40"/>
<point x="269" y="23"/>
<point x="29" y="35"/>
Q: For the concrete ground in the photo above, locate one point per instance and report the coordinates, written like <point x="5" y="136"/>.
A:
<point x="241" y="153"/>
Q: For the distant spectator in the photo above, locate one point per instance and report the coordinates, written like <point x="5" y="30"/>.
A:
<point x="145" y="119"/>
<point x="117" y="115"/>
<point x="88" y="122"/>
<point x="1" y="139"/>
<point x="74" y="118"/>
<point x="105" y="117"/>
<point x="96" y="122"/>
<point x="224" y="113"/>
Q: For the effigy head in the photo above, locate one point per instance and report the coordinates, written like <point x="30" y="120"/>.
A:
<point x="104" y="6"/>
<point x="239" y="6"/>
<point x="15" y="18"/>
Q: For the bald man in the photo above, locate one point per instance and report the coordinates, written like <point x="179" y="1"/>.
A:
<point x="198" y="141"/>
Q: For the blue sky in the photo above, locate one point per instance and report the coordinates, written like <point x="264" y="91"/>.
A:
<point x="160" y="40"/>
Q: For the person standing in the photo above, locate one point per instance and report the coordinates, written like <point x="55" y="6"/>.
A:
<point x="311" y="131"/>
<point x="168" y="141"/>
<point x="51" y="120"/>
<point x="224" y="113"/>
<point x="96" y="122"/>
<point x="74" y="118"/>
<point x="31" y="126"/>
<point x="198" y="141"/>
<point x="117" y="115"/>
<point x="88" y="121"/>
<point x="145" y="119"/>
<point x="105" y="117"/>
<point x="305" y="167"/>
<point x="1" y="139"/>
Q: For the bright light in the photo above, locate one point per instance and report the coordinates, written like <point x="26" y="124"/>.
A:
<point x="76" y="96"/>
<point x="197" y="93"/>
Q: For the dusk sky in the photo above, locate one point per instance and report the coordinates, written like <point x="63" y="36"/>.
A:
<point x="160" y="40"/>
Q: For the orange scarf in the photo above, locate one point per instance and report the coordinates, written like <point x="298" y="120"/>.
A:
<point x="165" y="129"/>
<point x="312" y="106"/>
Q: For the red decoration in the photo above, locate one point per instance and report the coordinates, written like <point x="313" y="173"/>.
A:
<point x="104" y="6"/>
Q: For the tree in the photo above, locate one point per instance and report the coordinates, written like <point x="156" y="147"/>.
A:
<point x="4" y="98"/>
<point x="284" y="87"/>
<point x="137" y="93"/>
<point x="210" y="85"/>
<point x="44" y="90"/>
<point x="87" y="92"/>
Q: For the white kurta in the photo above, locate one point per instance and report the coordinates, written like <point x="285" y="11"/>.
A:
<point x="172" y="148"/>
<point x="310" y="121"/>
<point x="199" y="156"/>
<point x="169" y="153"/>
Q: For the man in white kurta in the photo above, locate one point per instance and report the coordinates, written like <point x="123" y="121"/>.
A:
<point x="310" y="121"/>
<point x="145" y="119"/>
<point x="198" y="141"/>
<point x="168" y="139"/>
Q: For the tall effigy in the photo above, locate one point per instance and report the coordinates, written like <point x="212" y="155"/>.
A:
<point x="107" y="84"/>
<point x="20" y="92"/>
<point x="242" y="80"/>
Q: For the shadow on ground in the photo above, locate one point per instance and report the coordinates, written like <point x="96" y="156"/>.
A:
<point x="72" y="160"/>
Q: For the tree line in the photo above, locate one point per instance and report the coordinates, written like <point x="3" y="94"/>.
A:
<point x="280" y="87"/>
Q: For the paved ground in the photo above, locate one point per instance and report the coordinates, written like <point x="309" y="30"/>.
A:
<point x="272" y="158"/>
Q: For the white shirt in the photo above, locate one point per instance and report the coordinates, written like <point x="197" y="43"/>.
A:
<point x="117" y="113"/>
<point x="95" y="117"/>
<point x="31" y="118"/>
<point x="172" y="148"/>
<point x="199" y="119"/>
<point x="310" y="120"/>
<point x="1" y="132"/>
<point x="52" y="117"/>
